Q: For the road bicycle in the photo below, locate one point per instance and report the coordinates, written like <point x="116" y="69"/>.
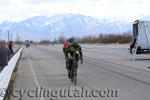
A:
<point x="74" y="67"/>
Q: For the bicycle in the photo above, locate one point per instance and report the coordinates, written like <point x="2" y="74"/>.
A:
<point x="73" y="72"/>
<point x="27" y="45"/>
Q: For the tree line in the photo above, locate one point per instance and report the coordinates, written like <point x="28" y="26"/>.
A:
<point x="101" y="38"/>
<point x="107" y="38"/>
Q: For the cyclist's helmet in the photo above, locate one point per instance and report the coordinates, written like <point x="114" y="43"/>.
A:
<point x="71" y="40"/>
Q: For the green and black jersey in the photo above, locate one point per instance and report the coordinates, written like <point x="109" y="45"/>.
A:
<point x="73" y="47"/>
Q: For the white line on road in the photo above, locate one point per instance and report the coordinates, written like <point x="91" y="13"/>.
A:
<point x="34" y="76"/>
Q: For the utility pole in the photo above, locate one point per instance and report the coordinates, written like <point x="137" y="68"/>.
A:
<point x="17" y="37"/>
<point x="8" y="35"/>
<point x="0" y="33"/>
<point x="11" y="36"/>
<point x="62" y="36"/>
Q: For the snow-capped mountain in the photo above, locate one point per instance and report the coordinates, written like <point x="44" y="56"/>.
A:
<point x="43" y="27"/>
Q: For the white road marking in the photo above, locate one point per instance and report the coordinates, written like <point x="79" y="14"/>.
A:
<point x="34" y="76"/>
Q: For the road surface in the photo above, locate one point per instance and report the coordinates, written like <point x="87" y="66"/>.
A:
<point x="107" y="73"/>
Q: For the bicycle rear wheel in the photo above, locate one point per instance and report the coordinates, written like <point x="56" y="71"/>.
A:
<point x="75" y="78"/>
<point x="72" y="76"/>
<point x="75" y="73"/>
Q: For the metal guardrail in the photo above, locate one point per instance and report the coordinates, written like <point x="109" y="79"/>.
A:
<point x="5" y="75"/>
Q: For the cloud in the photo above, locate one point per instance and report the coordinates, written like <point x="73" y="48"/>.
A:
<point x="16" y="10"/>
<point x="51" y="1"/>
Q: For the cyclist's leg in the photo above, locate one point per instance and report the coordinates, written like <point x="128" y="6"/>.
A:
<point x="65" y="54"/>
<point x="76" y="57"/>
<point x="67" y="62"/>
<point x="70" y="62"/>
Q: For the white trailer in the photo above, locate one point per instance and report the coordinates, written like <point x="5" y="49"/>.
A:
<point x="141" y="38"/>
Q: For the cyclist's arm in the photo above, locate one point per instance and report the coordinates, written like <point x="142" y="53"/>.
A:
<point x="80" y="51"/>
<point x="67" y="51"/>
<point x="81" y="55"/>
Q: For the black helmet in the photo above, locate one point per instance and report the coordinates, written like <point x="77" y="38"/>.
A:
<point x="71" y="40"/>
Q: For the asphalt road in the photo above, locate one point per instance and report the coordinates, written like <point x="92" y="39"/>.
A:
<point x="107" y="73"/>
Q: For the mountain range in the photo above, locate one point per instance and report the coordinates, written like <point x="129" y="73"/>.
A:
<point x="44" y="27"/>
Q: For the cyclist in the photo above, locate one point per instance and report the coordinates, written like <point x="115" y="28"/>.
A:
<point x="65" y="47"/>
<point x="132" y="46"/>
<point x="74" y="52"/>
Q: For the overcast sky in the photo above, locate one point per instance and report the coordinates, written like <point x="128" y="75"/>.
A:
<point x="17" y="10"/>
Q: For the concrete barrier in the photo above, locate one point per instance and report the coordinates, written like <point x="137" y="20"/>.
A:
<point x="5" y="75"/>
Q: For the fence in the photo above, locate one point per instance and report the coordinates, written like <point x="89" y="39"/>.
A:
<point x="5" y="75"/>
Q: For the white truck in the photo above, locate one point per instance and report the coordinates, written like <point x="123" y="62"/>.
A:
<point x="141" y="38"/>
